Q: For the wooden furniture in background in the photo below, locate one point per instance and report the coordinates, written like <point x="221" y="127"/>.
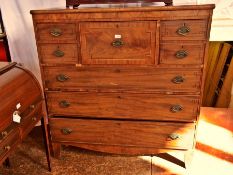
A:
<point x="20" y="108"/>
<point x="123" y="80"/>
<point x="219" y="75"/>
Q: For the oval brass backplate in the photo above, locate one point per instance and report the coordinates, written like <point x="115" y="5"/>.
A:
<point x="117" y="43"/>
<point x="178" y="79"/>
<point x="181" y="54"/>
<point x="184" y="30"/>
<point x="66" y="131"/>
<point x="176" y="108"/>
<point x="64" y="104"/>
<point x="58" y="53"/>
<point x="173" y="136"/>
<point x="62" y="78"/>
<point x="56" y="32"/>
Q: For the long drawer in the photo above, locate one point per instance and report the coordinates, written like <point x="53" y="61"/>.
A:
<point x="122" y="105"/>
<point x="122" y="133"/>
<point x="123" y="78"/>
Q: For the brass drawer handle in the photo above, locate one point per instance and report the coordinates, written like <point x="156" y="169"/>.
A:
<point x="117" y="43"/>
<point x="66" y="131"/>
<point x="173" y="136"/>
<point x="58" y="53"/>
<point x="176" y="108"/>
<point x="178" y="79"/>
<point x="64" y="104"/>
<point x="4" y="134"/>
<point x="181" y="54"/>
<point x="62" y="78"/>
<point x="56" y="32"/>
<point x="32" y="107"/>
<point x="7" y="148"/>
<point x="184" y="30"/>
<point x="34" y="119"/>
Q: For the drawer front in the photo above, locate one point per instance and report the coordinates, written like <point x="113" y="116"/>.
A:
<point x="58" y="53"/>
<point x="118" y="42"/>
<point x="6" y="131"/>
<point x="56" y="32"/>
<point x="124" y="106"/>
<point x="30" y="118"/>
<point x="9" y="143"/>
<point x="123" y="78"/>
<point x="19" y="90"/>
<point x="176" y="53"/>
<point x="184" y="30"/>
<point x="123" y="133"/>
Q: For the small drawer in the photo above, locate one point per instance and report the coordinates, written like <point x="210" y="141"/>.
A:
<point x="30" y="118"/>
<point x="119" y="78"/>
<point x="184" y="30"/>
<point x="123" y="133"/>
<point x="124" y="105"/>
<point x="9" y="143"/>
<point x="56" y="32"/>
<point x="175" y="53"/>
<point x="58" y="53"/>
<point x="118" y="42"/>
<point x="4" y="133"/>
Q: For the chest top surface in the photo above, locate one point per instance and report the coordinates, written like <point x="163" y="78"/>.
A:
<point x="124" y="7"/>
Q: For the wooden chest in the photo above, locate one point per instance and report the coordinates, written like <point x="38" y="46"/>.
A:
<point x="123" y="80"/>
<point x="20" y="106"/>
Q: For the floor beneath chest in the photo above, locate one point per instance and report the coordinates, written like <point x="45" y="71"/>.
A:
<point x="213" y="155"/>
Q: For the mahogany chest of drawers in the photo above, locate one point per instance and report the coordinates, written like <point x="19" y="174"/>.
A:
<point x="123" y="80"/>
<point x="20" y="106"/>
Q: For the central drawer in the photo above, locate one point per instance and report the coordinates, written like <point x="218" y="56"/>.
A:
<point x="138" y="79"/>
<point x="123" y="133"/>
<point x="123" y="105"/>
<point x="118" y="42"/>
